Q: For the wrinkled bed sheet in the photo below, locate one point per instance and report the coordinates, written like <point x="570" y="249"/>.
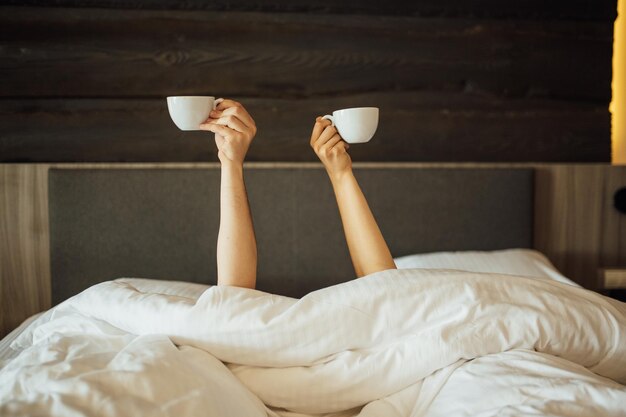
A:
<point x="395" y="343"/>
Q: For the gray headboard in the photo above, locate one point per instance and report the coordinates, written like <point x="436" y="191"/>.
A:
<point x="162" y="223"/>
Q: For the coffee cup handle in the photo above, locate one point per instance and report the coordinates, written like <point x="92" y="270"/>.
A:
<point x="329" y="117"/>
<point x="216" y="102"/>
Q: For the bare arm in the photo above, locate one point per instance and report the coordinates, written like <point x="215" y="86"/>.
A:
<point x="368" y="249"/>
<point x="366" y="244"/>
<point x="236" y="244"/>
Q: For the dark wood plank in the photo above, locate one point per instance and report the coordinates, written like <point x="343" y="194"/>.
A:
<point x="604" y="10"/>
<point x="136" y="53"/>
<point x="413" y="127"/>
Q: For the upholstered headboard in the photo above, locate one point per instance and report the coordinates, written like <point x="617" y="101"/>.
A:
<point x="163" y="223"/>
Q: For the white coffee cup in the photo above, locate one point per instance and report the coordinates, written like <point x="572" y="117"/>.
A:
<point x="188" y="112"/>
<point x="355" y="125"/>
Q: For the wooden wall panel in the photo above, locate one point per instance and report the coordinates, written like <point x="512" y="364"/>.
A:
<point x="84" y="80"/>
<point x="104" y="53"/>
<point x="413" y="127"/>
<point x="576" y="224"/>
<point x="526" y="9"/>
<point x="613" y="242"/>
<point x="24" y="244"/>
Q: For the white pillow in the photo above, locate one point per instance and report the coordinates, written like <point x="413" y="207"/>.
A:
<point x="524" y="262"/>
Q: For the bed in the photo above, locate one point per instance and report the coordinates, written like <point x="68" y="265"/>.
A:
<point x="474" y="323"/>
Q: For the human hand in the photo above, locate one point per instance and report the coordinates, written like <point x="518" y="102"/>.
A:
<point x="330" y="148"/>
<point x="234" y="130"/>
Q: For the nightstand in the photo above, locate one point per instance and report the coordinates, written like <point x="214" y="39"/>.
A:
<point x="613" y="282"/>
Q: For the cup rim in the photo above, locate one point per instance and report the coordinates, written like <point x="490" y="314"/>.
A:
<point x="190" y="96"/>
<point x="357" y="108"/>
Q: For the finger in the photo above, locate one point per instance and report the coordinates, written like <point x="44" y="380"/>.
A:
<point x="219" y="129"/>
<point x="331" y="143"/>
<point x="328" y="133"/>
<point x="318" y="128"/>
<point x="239" y="111"/>
<point x="232" y="122"/>
<point x="236" y="108"/>
<point x="227" y="103"/>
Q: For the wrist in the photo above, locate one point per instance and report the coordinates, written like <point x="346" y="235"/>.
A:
<point x="232" y="166"/>
<point x="339" y="177"/>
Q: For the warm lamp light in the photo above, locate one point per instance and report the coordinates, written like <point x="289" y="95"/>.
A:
<point x="618" y="104"/>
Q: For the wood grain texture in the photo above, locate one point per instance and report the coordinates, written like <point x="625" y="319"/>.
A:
<point x="576" y="225"/>
<point x="528" y="9"/>
<point x="414" y="126"/>
<point x="86" y="83"/>
<point x="613" y="243"/>
<point x="24" y="244"/>
<point x="58" y="52"/>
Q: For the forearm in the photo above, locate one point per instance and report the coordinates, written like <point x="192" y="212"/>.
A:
<point x="366" y="244"/>
<point x="236" y="244"/>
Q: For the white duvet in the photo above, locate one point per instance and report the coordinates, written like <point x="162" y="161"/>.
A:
<point x="395" y="343"/>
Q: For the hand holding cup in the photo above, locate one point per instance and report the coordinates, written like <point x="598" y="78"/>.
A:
<point x="330" y="148"/>
<point x="234" y="130"/>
